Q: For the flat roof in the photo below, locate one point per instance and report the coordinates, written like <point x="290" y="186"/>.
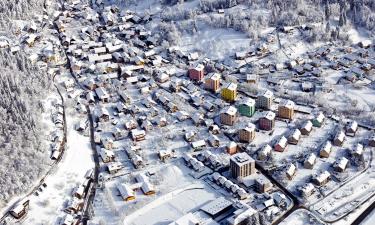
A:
<point x="216" y="206"/>
<point x="241" y="158"/>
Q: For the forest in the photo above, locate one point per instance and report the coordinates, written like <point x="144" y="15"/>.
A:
<point x="328" y="19"/>
<point x="24" y="154"/>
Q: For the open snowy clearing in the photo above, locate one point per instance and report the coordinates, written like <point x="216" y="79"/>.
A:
<point x="77" y="160"/>
<point x="180" y="203"/>
<point x="215" y="43"/>
<point x="300" y="217"/>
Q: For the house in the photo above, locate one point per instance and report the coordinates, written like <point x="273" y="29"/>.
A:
<point x="131" y="124"/>
<point x="247" y="107"/>
<point x="114" y="167"/>
<point x="318" y="120"/>
<point x="164" y="155"/>
<point x="146" y="125"/>
<point x="162" y="77"/>
<point x="228" y="116"/>
<point x="214" y="141"/>
<point x="137" y="161"/>
<point x="198" y="145"/>
<point x="306" y="127"/>
<point x="291" y="170"/>
<point x="310" y="161"/>
<point x="325" y="151"/>
<point x="340" y="164"/>
<point x="189" y="136"/>
<point x="68" y="220"/>
<point x="286" y="109"/>
<point x="307" y="190"/>
<point x="294" y="137"/>
<point x="321" y="178"/>
<point x="351" y="128"/>
<point x="197" y="118"/>
<point x="103" y="114"/>
<point x="196" y="165"/>
<point x="262" y="185"/>
<point x="138" y="135"/>
<point x="267" y="121"/>
<point x="102" y="94"/>
<point x="146" y="187"/>
<point x="212" y="82"/>
<point x="231" y="148"/>
<point x="264" y="152"/>
<point x="281" y="145"/>
<point x="339" y="138"/>
<point x="127" y="194"/>
<point x="107" y="156"/>
<point x="196" y="73"/>
<point x="214" y="129"/>
<point x="357" y="151"/>
<point x="264" y="100"/>
<point x="229" y="92"/>
<point x="19" y="211"/>
<point x="79" y="192"/>
<point x="252" y="78"/>
<point x="247" y="134"/>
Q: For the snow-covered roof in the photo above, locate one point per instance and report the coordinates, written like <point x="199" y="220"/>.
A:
<point x="241" y="158"/>
<point x="322" y="176"/>
<point x="327" y="147"/>
<point x="231" y="86"/>
<point x="358" y="149"/>
<point x="341" y="163"/>
<point x="283" y="141"/>
<point x="311" y="159"/>
<point x="230" y="110"/>
<point x="216" y="206"/>
<point x="291" y="169"/>
<point x="307" y="126"/>
<point x="247" y="102"/>
<point x="340" y="136"/>
<point x="199" y="67"/>
<point x="125" y="191"/>
<point x="287" y="103"/>
<point x="198" y="144"/>
<point x="353" y="126"/>
<point x="267" y="94"/>
<point x="296" y="134"/>
<point x="250" y="127"/>
<point x="269" y="115"/>
<point x="187" y="219"/>
<point x="214" y="76"/>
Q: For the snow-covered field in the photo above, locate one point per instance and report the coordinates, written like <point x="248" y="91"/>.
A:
<point x="215" y="43"/>
<point x="77" y="160"/>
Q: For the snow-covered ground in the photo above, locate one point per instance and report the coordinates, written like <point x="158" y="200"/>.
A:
<point x="214" y="42"/>
<point x="77" y="160"/>
<point x="300" y="217"/>
<point x="370" y="219"/>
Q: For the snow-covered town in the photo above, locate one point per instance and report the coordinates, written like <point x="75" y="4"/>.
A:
<point x="171" y="112"/>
